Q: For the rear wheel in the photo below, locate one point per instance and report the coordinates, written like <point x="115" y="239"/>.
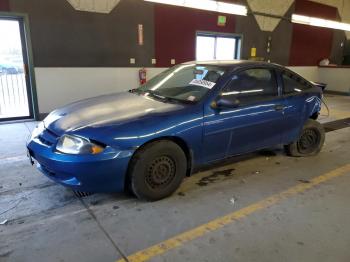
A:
<point x="310" y="141"/>
<point x="157" y="170"/>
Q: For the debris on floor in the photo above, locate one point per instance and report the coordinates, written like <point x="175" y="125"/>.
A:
<point x="181" y="194"/>
<point x="243" y="181"/>
<point x="215" y="176"/>
<point x="233" y="200"/>
<point x="95" y="202"/>
<point x="3" y="222"/>
<point x="304" y="181"/>
<point x="6" y="254"/>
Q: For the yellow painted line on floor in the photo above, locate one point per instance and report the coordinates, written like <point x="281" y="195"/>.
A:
<point x="181" y="239"/>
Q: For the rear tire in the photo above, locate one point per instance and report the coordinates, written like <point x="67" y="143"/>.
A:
<point x="310" y="141"/>
<point x="157" y="170"/>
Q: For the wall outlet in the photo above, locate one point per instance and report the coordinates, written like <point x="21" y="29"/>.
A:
<point x="132" y="61"/>
<point x="172" y="61"/>
<point x="154" y="61"/>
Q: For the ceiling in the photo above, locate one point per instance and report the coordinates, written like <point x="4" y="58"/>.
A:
<point x="98" y="6"/>
<point x="274" y="7"/>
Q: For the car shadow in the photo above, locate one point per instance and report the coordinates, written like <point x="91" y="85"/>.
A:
<point x="240" y="158"/>
<point x="213" y="173"/>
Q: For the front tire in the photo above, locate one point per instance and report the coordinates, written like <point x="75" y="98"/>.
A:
<point x="157" y="170"/>
<point x="310" y="141"/>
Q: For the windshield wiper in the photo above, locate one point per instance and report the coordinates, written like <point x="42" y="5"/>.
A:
<point x="156" y="94"/>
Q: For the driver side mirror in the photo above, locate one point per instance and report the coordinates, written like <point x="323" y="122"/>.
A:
<point x="225" y="102"/>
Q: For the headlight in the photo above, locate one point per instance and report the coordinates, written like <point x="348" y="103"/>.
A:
<point x="77" y="145"/>
<point x="38" y="130"/>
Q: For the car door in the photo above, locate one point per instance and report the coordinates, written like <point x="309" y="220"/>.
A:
<point x="295" y="98"/>
<point x="253" y="124"/>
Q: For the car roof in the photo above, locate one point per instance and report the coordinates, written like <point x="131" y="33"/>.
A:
<point x="231" y="65"/>
<point x="234" y="63"/>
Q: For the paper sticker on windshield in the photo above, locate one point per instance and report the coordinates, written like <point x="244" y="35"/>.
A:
<point x="203" y="83"/>
<point x="191" y="98"/>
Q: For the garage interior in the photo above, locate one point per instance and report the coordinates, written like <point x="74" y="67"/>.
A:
<point x="262" y="206"/>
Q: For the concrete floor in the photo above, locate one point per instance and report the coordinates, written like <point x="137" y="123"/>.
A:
<point x="47" y="222"/>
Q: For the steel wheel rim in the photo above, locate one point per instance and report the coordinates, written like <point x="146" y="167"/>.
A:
<point x="309" y="141"/>
<point x="161" y="172"/>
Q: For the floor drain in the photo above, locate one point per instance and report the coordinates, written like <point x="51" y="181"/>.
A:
<point x="82" y="194"/>
<point x="337" y="124"/>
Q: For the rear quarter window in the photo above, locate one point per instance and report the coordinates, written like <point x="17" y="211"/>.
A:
<point x="293" y="84"/>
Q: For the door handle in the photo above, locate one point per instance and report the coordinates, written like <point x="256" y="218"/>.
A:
<point x="279" y="107"/>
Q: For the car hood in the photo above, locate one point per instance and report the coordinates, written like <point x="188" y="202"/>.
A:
<point x="113" y="109"/>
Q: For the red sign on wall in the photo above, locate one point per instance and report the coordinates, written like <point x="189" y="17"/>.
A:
<point x="140" y="34"/>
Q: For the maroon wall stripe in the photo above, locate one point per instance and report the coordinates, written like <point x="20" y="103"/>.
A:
<point x="311" y="44"/>
<point x="4" y="5"/>
<point x="175" y="31"/>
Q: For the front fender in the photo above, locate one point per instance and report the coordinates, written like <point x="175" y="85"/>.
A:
<point x="132" y="135"/>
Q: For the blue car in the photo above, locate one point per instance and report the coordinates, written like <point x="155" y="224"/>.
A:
<point x="148" y="139"/>
<point x="9" y="68"/>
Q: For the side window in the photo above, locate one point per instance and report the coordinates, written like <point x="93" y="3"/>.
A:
<point x="292" y="84"/>
<point x="252" y="85"/>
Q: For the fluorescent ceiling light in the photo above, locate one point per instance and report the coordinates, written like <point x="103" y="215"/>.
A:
<point x="314" y="21"/>
<point x="208" y="5"/>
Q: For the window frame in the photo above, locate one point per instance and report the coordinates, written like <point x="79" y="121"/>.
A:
<point x="237" y="37"/>
<point x="273" y="72"/>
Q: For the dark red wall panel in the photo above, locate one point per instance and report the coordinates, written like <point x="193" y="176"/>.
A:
<point x="4" y="5"/>
<point x="175" y="31"/>
<point x="311" y="44"/>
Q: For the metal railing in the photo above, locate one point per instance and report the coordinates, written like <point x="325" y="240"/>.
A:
<point x="13" y="96"/>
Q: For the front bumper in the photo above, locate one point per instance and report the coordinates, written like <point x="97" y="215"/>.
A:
<point x="104" y="172"/>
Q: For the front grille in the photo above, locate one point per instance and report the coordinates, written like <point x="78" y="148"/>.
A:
<point x="44" y="141"/>
<point x="80" y="194"/>
<point x="47" y="137"/>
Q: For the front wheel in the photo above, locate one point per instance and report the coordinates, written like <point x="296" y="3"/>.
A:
<point x="157" y="170"/>
<point x="310" y="141"/>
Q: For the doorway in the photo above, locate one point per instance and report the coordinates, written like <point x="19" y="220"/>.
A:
<point x="216" y="46"/>
<point x="15" y="80"/>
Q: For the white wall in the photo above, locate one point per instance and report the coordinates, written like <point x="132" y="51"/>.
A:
<point x="57" y="87"/>
<point x="308" y="72"/>
<point x="337" y="79"/>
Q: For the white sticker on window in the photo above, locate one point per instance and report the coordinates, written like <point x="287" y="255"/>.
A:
<point x="203" y="83"/>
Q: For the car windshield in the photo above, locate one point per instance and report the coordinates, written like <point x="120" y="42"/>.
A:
<point x="184" y="83"/>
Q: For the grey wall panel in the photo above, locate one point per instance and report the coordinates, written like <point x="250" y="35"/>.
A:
<point x="282" y="40"/>
<point x="338" y="46"/>
<point x="64" y="37"/>
<point x="347" y="47"/>
<point x="337" y="52"/>
<point x="254" y="37"/>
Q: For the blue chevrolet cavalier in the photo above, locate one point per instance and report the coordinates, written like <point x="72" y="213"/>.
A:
<point x="150" y="138"/>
